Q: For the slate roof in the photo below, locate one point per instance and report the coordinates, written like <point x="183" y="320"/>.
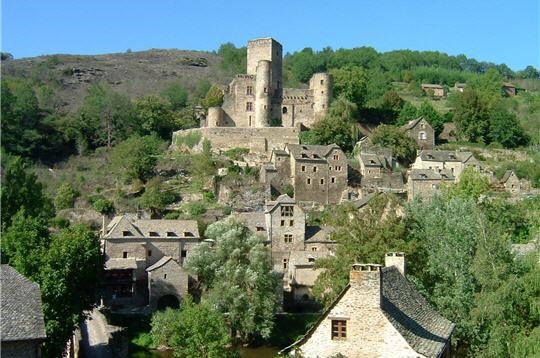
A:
<point x="426" y="331"/>
<point x="282" y="199"/>
<point x="431" y="85"/>
<point x="371" y="160"/>
<point x="506" y="176"/>
<point x="21" y="310"/>
<point x="414" y="122"/>
<point x="144" y="228"/>
<point x="121" y="264"/>
<point x="254" y="220"/>
<point x="310" y="152"/>
<point x="317" y="234"/>
<point x="430" y="174"/>
<point x="445" y="156"/>
<point x="162" y="261"/>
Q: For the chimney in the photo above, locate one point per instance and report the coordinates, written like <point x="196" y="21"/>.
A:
<point x="365" y="279"/>
<point x="395" y="259"/>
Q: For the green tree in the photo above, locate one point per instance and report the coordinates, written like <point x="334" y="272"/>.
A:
<point x="471" y="185"/>
<point x="351" y="83"/>
<point x="105" y="118"/>
<point x="392" y="101"/>
<point x="362" y="237"/>
<point x="233" y="59"/>
<point x="238" y="275"/>
<point x="176" y="94"/>
<point x="434" y="118"/>
<point x="338" y="126"/>
<point x="403" y="147"/>
<point x="136" y="157"/>
<point x="69" y="280"/>
<point x="103" y="206"/>
<point x="471" y="115"/>
<point x="65" y="196"/>
<point x="155" y="116"/>
<point x="213" y="98"/>
<point x="504" y="128"/>
<point x="21" y="190"/>
<point x="407" y="113"/>
<point x="192" y="331"/>
<point x="155" y="198"/>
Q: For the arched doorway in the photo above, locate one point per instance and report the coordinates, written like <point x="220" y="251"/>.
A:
<point x="168" y="301"/>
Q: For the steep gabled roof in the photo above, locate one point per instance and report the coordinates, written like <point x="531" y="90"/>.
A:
<point x="430" y="174"/>
<point x="162" y="261"/>
<point x="445" y="156"/>
<point x="282" y="199"/>
<point x="310" y="152"/>
<point x="506" y="176"/>
<point x="21" y="310"/>
<point x="317" y="234"/>
<point x="414" y="122"/>
<point x="143" y="228"/>
<point x="426" y="331"/>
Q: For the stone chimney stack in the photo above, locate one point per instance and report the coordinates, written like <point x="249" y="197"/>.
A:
<point x="365" y="279"/>
<point x="395" y="259"/>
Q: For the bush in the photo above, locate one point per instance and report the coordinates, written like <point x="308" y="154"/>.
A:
<point x="195" y="209"/>
<point x="236" y="153"/>
<point x="65" y="196"/>
<point x="136" y="157"/>
<point x="190" y="139"/>
<point x="403" y="147"/>
<point x="103" y="206"/>
<point x="209" y="197"/>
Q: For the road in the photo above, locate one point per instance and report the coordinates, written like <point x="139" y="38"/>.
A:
<point x="95" y="336"/>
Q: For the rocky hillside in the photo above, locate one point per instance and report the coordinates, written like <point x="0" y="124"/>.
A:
<point x="132" y="73"/>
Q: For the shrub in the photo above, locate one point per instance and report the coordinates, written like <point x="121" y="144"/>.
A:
<point x="190" y="139"/>
<point x="236" y="153"/>
<point x="195" y="209"/>
<point x="65" y="196"/>
<point x="103" y="206"/>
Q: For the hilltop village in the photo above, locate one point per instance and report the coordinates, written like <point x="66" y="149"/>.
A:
<point x="251" y="233"/>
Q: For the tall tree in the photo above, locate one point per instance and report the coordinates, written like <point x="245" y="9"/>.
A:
<point x="136" y="157"/>
<point x="238" y="276"/>
<point x="403" y="147"/>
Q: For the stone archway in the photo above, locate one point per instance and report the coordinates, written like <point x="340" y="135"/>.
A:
<point x="168" y="301"/>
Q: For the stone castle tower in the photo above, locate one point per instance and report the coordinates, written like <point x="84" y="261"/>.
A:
<point x="257" y="99"/>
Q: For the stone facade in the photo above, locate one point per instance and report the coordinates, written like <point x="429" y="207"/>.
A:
<point x="511" y="182"/>
<point x="426" y="182"/>
<point x="454" y="161"/>
<point x="434" y="90"/>
<point x="22" y="349"/>
<point x="132" y="247"/>
<point x="422" y="132"/>
<point x="317" y="173"/>
<point x="379" y="314"/>
<point x="257" y="98"/>
<point x="295" y="247"/>
<point x="166" y="278"/>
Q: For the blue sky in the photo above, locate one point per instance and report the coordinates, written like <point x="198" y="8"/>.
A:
<point x="489" y="30"/>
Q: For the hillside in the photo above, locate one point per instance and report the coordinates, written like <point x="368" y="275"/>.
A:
<point x="135" y="74"/>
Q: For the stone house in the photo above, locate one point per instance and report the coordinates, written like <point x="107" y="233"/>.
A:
<point x="377" y="170"/>
<point x="257" y="98"/>
<point x="317" y="173"/>
<point x="434" y="90"/>
<point x="421" y="131"/>
<point x="295" y="246"/>
<point x="144" y="258"/>
<point x="22" y="328"/>
<point x="378" y="314"/>
<point x="455" y="161"/>
<point x="426" y="182"/>
<point x="511" y="182"/>
<point x="460" y="87"/>
<point x="508" y="89"/>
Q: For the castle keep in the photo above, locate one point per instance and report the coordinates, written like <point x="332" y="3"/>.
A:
<point x="257" y="99"/>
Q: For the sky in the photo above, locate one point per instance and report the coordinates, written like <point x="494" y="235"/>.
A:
<point x="488" y="30"/>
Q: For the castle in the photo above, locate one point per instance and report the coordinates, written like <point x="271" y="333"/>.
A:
<point x="257" y="99"/>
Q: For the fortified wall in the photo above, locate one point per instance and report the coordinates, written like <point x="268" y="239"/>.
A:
<point x="258" y="140"/>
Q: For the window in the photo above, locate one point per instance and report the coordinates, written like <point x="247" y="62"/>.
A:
<point x="127" y="233"/>
<point x="265" y="90"/>
<point x="323" y="106"/>
<point x="336" y="156"/>
<point x="183" y="253"/>
<point x="314" y="248"/>
<point x="308" y="181"/>
<point x="165" y="276"/>
<point x="249" y="106"/>
<point x="322" y="82"/>
<point x="333" y="180"/>
<point x="338" y="168"/>
<point x="284" y="110"/>
<point x="303" y="168"/>
<point x="250" y="121"/>
<point x="287" y="210"/>
<point x="149" y="252"/>
<point x="249" y="90"/>
<point x="322" y="92"/>
<point x="125" y="254"/>
<point x="287" y="238"/>
<point x="188" y="234"/>
<point x="291" y="222"/>
<point x="423" y="125"/>
<point x="171" y="234"/>
<point x="282" y="222"/>
<point x="339" y="329"/>
<point x="153" y="234"/>
<point x="314" y="169"/>
<point x="285" y="263"/>
<point x="311" y="259"/>
<point x="260" y="228"/>
<point x="322" y="181"/>
<point x="422" y="136"/>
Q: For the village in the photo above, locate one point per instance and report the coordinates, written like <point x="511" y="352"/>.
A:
<point x="379" y="310"/>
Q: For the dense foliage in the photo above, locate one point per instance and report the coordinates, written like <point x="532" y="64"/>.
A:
<point x="238" y="278"/>
<point x="403" y="147"/>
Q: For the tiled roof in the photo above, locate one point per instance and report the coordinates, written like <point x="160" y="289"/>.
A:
<point x="162" y="261"/>
<point x="21" y="311"/>
<point x="371" y="160"/>
<point x="444" y="156"/>
<point x="282" y="199"/>
<point x="413" y="123"/>
<point x="426" y="331"/>
<point x="121" y="264"/>
<point x="310" y="152"/>
<point x="253" y="221"/>
<point x="430" y="174"/>
<point x="144" y="228"/>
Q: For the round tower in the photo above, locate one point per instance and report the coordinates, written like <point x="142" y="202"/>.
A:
<point x="215" y="117"/>
<point x="262" y="94"/>
<point x="321" y="86"/>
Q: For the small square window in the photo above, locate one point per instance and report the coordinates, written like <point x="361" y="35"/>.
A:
<point x="125" y="254"/>
<point x="183" y="253"/>
<point x="322" y="181"/>
<point x="153" y="234"/>
<point x="291" y="222"/>
<point x="308" y="181"/>
<point x="287" y="210"/>
<point x="339" y="329"/>
<point x="149" y="252"/>
<point x="303" y="168"/>
<point x="333" y="180"/>
<point x="311" y="259"/>
<point x="165" y="276"/>
<point x="314" y="169"/>
<point x="282" y="222"/>
<point x="314" y="248"/>
<point x="287" y="238"/>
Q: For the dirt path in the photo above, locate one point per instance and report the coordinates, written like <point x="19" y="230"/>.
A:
<point x="95" y="336"/>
